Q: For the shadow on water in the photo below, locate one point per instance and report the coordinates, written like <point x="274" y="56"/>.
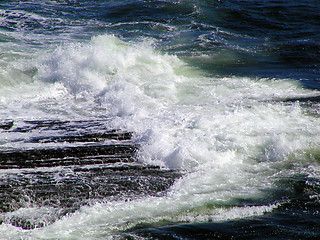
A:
<point x="295" y="217"/>
<point x="277" y="225"/>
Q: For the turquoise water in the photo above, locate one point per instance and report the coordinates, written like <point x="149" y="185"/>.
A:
<point x="225" y="92"/>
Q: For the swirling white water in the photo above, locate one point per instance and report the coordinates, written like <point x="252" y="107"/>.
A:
<point x="232" y="136"/>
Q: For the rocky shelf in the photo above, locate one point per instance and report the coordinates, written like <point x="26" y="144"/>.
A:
<point x="63" y="165"/>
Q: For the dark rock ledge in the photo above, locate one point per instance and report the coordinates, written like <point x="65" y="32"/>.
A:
<point x="54" y="178"/>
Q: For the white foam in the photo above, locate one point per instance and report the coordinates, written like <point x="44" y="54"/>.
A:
<point x="107" y="219"/>
<point x="182" y="119"/>
<point x="227" y="136"/>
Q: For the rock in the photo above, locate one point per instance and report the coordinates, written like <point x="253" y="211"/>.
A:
<point x="69" y="165"/>
<point x="6" y="124"/>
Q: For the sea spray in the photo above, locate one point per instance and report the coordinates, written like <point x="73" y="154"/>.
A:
<point x="231" y="136"/>
<point x="156" y="97"/>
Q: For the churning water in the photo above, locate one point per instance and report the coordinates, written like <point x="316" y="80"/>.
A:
<point x="220" y="97"/>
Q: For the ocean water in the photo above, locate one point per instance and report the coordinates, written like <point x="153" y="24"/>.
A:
<point x="223" y="93"/>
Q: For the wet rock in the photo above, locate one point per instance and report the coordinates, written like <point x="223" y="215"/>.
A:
<point x="87" y="164"/>
<point x="6" y="124"/>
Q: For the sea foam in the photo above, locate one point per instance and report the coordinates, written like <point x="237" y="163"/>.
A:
<point x="232" y="137"/>
<point x="182" y="118"/>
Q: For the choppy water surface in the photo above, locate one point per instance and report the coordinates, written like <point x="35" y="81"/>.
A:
<point x="159" y="119"/>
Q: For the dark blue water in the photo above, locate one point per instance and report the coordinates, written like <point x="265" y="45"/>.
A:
<point x="265" y="38"/>
<point x="264" y="41"/>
